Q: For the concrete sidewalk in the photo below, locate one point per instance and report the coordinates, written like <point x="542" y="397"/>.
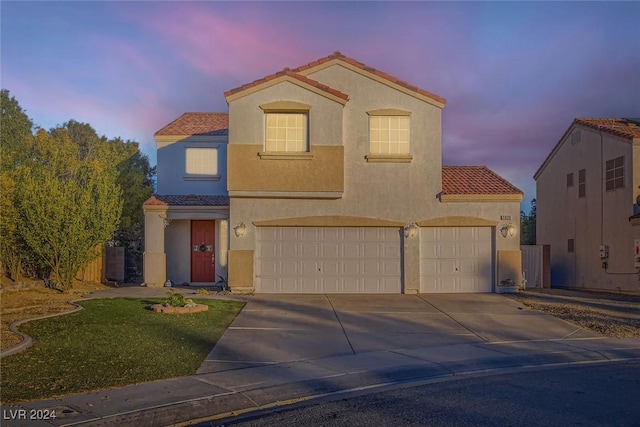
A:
<point x="286" y="349"/>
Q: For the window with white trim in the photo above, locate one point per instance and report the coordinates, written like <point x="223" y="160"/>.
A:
<point x="286" y="132"/>
<point x="201" y="161"/>
<point x="614" y="171"/>
<point x="389" y="134"/>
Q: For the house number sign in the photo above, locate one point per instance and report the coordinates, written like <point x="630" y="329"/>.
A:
<point x="505" y="217"/>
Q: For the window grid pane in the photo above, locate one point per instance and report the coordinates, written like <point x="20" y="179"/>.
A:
<point x="202" y="161"/>
<point x="389" y="135"/>
<point x="286" y="132"/>
<point x="614" y="175"/>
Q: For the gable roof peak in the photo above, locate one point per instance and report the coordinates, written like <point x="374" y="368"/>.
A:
<point x="337" y="55"/>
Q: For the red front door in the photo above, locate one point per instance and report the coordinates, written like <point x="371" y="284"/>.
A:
<point x="203" y="251"/>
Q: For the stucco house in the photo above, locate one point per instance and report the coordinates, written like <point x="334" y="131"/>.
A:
<point x="587" y="190"/>
<point x="327" y="178"/>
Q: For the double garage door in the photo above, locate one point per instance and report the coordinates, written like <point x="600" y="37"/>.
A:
<point x="328" y="260"/>
<point x="368" y="259"/>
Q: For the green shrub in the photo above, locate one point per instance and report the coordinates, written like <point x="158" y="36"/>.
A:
<point x="175" y="300"/>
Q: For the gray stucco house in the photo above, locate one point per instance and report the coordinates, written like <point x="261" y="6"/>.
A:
<point x="587" y="205"/>
<point x="327" y="178"/>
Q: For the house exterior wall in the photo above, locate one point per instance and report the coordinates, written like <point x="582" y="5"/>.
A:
<point x="171" y="167"/>
<point x="177" y="238"/>
<point x="599" y="218"/>
<point x="399" y="192"/>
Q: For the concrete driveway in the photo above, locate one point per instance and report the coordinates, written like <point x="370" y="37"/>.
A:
<point x="275" y="329"/>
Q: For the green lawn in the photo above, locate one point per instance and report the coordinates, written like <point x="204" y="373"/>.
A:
<point x="112" y="342"/>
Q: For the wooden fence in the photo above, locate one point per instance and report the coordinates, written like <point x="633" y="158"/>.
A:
<point x="108" y="266"/>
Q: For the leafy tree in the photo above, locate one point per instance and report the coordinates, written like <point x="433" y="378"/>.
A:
<point x="60" y="192"/>
<point x="135" y="174"/>
<point x="135" y="178"/>
<point x="15" y="131"/>
<point x="16" y="141"/>
<point x="70" y="203"/>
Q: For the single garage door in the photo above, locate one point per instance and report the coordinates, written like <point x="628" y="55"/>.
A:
<point x="328" y="260"/>
<point x="456" y="259"/>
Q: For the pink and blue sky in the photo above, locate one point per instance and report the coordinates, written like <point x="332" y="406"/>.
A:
<point x="515" y="74"/>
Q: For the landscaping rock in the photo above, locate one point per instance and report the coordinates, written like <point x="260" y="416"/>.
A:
<point x="161" y="308"/>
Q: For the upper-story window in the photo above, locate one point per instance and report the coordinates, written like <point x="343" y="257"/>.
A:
<point x="286" y="132"/>
<point x="201" y="163"/>
<point x="582" y="183"/>
<point x="614" y="173"/>
<point x="389" y="136"/>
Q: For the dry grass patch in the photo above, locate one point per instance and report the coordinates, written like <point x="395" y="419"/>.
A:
<point x="29" y="303"/>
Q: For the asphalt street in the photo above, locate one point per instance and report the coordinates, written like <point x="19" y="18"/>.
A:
<point x="586" y="395"/>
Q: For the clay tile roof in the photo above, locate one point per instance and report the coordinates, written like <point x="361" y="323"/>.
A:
<point x="198" y="124"/>
<point x="339" y="56"/>
<point x="187" y="200"/>
<point x="619" y="127"/>
<point x="474" y="180"/>
<point x="289" y="73"/>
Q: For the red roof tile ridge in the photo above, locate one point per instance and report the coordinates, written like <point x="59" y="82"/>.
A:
<point x="615" y="126"/>
<point x="289" y="73"/>
<point x="475" y="180"/>
<point x="154" y="201"/>
<point x="205" y="122"/>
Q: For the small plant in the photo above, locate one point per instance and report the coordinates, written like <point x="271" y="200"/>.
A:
<point x="202" y="291"/>
<point x="222" y="282"/>
<point x="175" y="300"/>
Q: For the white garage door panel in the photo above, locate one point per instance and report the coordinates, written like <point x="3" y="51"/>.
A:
<point x="328" y="260"/>
<point x="456" y="259"/>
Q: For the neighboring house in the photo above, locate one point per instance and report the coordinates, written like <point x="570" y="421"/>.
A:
<point x="335" y="185"/>
<point x="586" y="205"/>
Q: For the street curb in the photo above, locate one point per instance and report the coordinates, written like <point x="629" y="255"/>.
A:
<point x="238" y="405"/>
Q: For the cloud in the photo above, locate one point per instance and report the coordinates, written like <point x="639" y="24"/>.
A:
<point x="222" y="41"/>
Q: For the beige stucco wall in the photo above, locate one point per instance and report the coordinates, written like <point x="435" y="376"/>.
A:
<point x="178" y="250"/>
<point x="323" y="171"/>
<point x="240" y="269"/>
<point x="154" y="257"/>
<point x="509" y="270"/>
<point x="562" y="215"/>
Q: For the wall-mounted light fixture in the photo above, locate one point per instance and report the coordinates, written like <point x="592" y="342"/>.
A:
<point x="411" y="230"/>
<point x="165" y="221"/>
<point x="240" y="229"/>
<point x="507" y="230"/>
